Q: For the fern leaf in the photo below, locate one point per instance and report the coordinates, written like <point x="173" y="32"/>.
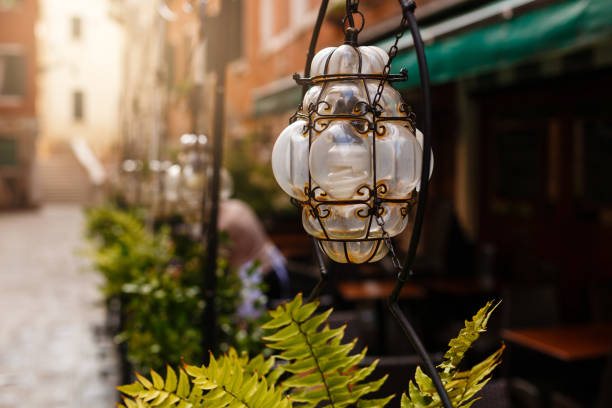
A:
<point x="322" y="371"/>
<point x="461" y="386"/>
<point x="467" y="336"/>
<point x="231" y="381"/>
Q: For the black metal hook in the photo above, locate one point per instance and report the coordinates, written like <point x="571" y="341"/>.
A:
<point x="352" y="7"/>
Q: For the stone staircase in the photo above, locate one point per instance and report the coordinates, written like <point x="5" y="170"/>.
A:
<point x="64" y="180"/>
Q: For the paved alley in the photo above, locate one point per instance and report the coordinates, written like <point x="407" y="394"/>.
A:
<point x="52" y="350"/>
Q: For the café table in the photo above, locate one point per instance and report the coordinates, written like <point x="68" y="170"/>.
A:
<point x="569" y="343"/>
<point x="576" y="348"/>
<point x="378" y="291"/>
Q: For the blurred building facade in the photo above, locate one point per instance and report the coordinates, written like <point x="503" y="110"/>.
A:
<point x="143" y="96"/>
<point x="80" y="48"/>
<point x="18" y="122"/>
<point x="522" y="131"/>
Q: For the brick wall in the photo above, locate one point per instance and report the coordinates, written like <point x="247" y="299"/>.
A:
<point x="17" y="36"/>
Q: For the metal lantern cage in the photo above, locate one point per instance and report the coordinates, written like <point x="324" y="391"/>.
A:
<point x="351" y="157"/>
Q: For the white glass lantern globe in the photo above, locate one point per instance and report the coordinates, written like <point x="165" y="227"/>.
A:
<point x="350" y="165"/>
<point x="290" y="159"/>
<point x="398" y="160"/>
<point x="340" y="161"/>
<point x="355" y="251"/>
<point x="345" y="59"/>
<point x="342" y="98"/>
<point x="419" y="136"/>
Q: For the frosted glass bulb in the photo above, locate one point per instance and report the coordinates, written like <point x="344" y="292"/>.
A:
<point x="320" y="59"/>
<point x="310" y="98"/>
<point x="358" y="252"/>
<point x="290" y="159"/>
<point x="373" y="59"/>
<point x="419" y="136"/>
<point x="345" y="221"/>
<point x="394" y="222"/>
<point x="343" y="98"/>
<point x="340" y="160"/>
<point x="382" y="54"/>
<point x="390" y="100"/>
<point x="398" y="160"/>
<point x="311" y="223"/>
<point x="343" y="60"/>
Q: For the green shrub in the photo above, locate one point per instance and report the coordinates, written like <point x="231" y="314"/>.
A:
<point x="158" y="277"/>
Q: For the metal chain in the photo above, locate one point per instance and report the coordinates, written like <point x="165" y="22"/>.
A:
<point x="377" y="112"/>
<point x="397" y="264"/>
<point x="386" y="71"/>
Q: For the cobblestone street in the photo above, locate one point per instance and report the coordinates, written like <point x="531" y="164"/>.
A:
<point x="53" y="352"/>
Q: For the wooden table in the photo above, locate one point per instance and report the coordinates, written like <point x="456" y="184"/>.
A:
<point x="566" y="343"/>
<point x="378" y="290"/>
<point x="292" y="244"/>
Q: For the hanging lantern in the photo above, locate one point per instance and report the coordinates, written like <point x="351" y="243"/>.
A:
<point x="193" y="161"/>
<point x="131" y="181"/>
<point x="351" y="157"/>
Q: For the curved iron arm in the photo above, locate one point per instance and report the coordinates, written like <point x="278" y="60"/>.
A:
<point x="313" y="42"/>
<point x="323" y="275"/>
<point x="311" y="53"/>
<point x="408" y="7"/>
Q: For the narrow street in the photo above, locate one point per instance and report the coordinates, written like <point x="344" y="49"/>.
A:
<point x="53" y="351"/>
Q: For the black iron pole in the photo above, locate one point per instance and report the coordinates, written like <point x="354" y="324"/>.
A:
<point x="408" y="7"/>
<point x="323" y="275"/>
<point x="313" y="41"/>
<point x="212" y="239"/>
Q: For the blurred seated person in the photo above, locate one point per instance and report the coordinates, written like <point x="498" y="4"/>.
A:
<point x="253" y="254"/>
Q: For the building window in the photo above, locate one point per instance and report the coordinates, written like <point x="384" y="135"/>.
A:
<point x="8" y="151"/>
<point x="75" y="28"/>
<point x="12" y="75"/>
<point x="77" y="105"/>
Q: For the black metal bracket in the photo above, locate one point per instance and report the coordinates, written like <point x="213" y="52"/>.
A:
<point x="309" y="81"/>
<point x="323" y="275"/>
<point x="408" y="8"/>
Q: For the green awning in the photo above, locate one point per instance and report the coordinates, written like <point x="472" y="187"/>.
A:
<point x="278" y="102"/>
<point x="555" y="29"/>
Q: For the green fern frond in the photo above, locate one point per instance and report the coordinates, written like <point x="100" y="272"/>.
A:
<point x="171" y="392"/>
<point x="467" y="336"/>
<point x="322" y="371"/>
<point x="230" y="381"/>
<point x="461" y="386"/>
